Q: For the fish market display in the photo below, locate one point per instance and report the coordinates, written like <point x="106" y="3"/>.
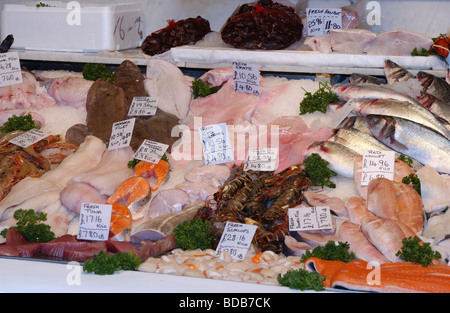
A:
<point x="401" y="113"/>
<point x="263" y="25"/>
<point x="178" y="33"/>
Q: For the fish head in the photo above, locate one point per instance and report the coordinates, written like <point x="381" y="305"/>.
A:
<point x="424" y="78"/>
<point x="384" y="128"/>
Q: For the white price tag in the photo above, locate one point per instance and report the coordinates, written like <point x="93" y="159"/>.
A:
<point x="143" y="106"/>
<point x="121" y="134"/>
<point x="261" y="159"/>
<point x="216" y="144"/>
<point x="236" y="239"/>
<point x="377" y="164"/>
<point x="320" y="22"/>
<point x="151" y="151"/>
<point x="30" y="137"/>
<point x="10" y="71"/>
<point x="95" y="221"/>
<point x="246" y="78"/>
<point x="309" y="218"/>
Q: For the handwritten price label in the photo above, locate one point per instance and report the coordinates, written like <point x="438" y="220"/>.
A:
<point x="377" y="164"/>
<point x="30" y="137"/>
<point x="95" y="221"/>
<point x="261" y="159"/>
<point x="246" y="78"/>
<point x="121" y="134"/>
<point x="10" y="71"/>
<point x="236" y="239"/>
<point x="309" y="218"/>
<point x="320" y="22"/>
<point x="143" y="106"/>
<point x="151" y="151"/>
<point x="216" y="144"/>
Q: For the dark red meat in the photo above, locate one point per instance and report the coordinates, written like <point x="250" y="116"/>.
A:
<point x="176" y="34"/>
<point x="263" y="25"/>
<point x="150" y="248"/>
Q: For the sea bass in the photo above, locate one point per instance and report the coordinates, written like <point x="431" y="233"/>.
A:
<point x="434" y="85"/>
<point x="411" y="139"/>
<point x="340" y="157"/>
<point x="436" y="106"/>
<point x="402" y="109"/>
<point x="349" y="91"/>
<point x="395" y="73"/>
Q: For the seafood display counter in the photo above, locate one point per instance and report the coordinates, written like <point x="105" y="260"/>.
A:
<point x="326" y="166"/>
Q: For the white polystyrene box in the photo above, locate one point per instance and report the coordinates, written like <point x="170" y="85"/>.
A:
<point x="73" y="26"/>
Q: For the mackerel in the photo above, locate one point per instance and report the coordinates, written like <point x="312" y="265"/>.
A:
<point x="390" y="107"/>
<point x="340" y="158"/>
<point x="395" y="73"/>
<point x="413" y="140"/>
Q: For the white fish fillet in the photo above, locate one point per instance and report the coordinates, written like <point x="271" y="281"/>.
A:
<point x="166" y="82"/>
<point x="433" y="189"/>
<point x="351" y="41"/>
<point x="397" y="43"/>
<point x="85" y="158"/>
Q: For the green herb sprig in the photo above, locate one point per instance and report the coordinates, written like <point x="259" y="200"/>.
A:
<point x="107" y="264"/>
<point x="331" y="252"/>
<point x="318" y="171"/>
<point x="193" y="234"/>
<point x="318" y="101"/>
<point x="302" y="279"/>
<point x="203" y="89"/>
<point x="24" y="122"/>
<point x="416" y="251"/>
<point x="29" y="224"/>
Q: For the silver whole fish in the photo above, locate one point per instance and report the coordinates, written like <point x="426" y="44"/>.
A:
<point x="356" y="78"/>
<point x="340" y="158"/>
<point x="355" y="122"/>
<point x="395" y="73"/>
<point x="350" y="91"/>
<point x="413" y="140"/>
<point x="360" y="141"/>
<point x="403" y="109"/>
<point x="434" y="85"/>
<point x="436" y="106"/>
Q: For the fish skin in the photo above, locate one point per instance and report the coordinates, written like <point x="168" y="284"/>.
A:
<point x="340" y="157"/>
<point x="355" y="122"/>
<point x="356" y="78"/>
<point x="436" y="106"/>
<point x="413" y="140"/>
<point x="390" y="107"/>
<point x="385" y="234"/>
<point x="348" y="91"/>
<point x="434" y="85"/>
<point x="158" y="227"/>
<point x="359" y="244"/>
<point x="395" y="73"/>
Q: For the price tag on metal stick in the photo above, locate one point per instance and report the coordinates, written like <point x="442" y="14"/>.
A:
<point x="95" y="221"/>
<point x="236" y="239"/>
<point x="121" y="134"/>
<point x="30" y="137"/>
<point x="320" y="22"/>
<point x="10" y="70"/>
<point x="377" y="164"/>
<point x="309" y="218"/>
<point x="246" y="78"/>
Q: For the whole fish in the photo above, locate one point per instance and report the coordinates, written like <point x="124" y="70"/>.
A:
<point x="436" y="106"/>
<point x="403" y="109"/>
<point x="357" y="140"/>
<point x="349" y="91"/>
<point x="434" y="85"/>
<point x="355" y="122"/>
<point x="395" y="73"/>
<point x="356" y="78"/>
<point x="340" y="158"/>
<point x="413" y="140"/>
